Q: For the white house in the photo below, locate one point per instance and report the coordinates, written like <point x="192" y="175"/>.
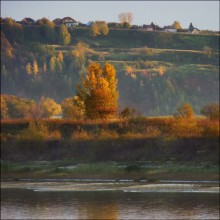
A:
<point x="68" y="21"/>
<point x="169" y="29"/>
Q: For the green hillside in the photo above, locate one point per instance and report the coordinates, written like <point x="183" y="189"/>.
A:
<point x="157" y="71"/>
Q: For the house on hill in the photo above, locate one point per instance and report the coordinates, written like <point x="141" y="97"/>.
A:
<point x="148" y="27"/>
<point x="151" y="27"/>
<point x="89" y="24"/>
<point x="67" y="21"/>
<point x="169" y="28"/>
<point x="27" y="21"/>
<point x="193" y="29"/>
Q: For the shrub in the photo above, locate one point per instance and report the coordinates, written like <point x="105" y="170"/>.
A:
<point x="81" y="135"/>
<point x="107" y="134"/>
<point x="55" y="135"/>
<point x="211" y="111"/>
<point x="132" y="135"/>
<point x="211" y="129"/>
<point x="152" y="131"/>
<point x="184" y="127"/>
<point x="37" y="130"/>
<point x="185" y="111"/>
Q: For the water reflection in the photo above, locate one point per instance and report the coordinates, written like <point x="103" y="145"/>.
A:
<point x="27" y="204"/>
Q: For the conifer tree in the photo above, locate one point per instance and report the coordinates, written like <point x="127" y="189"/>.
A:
<point x="35" y="67"/>
<point x="29" y="69"/>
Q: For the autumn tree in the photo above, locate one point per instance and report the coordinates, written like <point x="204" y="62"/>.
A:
<point x="48" y="107"/>
<point x="52" y="64"/>
<point x="64" y="36"/>
<point x="78" y="55"/>
<point x="126" y="17"/>
<point x="60" y="56"/>
<point x="35" y="67"/>
<point x="73" y="108"/>
<point x="99" y="92"/>
<point x="185" y="111"/>
<point x="4" y="108"/>
<point x="185" y="123"/>
<point x="177" y="25"/>
<point x="99" y="28"/>
<point x="14" y="107"/>
<point x="29" y="69"/>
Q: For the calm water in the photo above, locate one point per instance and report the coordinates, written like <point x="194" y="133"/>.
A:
<point x="28" y="204"/>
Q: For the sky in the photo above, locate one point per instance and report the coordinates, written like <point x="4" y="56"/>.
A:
<point x="203" y="14"/>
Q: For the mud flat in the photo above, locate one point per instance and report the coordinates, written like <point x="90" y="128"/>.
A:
<point x="126" y="186"/>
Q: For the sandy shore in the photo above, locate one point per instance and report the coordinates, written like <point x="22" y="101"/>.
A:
<point x="114" y="186"/>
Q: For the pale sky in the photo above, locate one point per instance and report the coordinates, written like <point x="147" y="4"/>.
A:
<point x="203" y="14"/>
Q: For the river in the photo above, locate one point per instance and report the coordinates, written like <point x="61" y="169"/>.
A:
<point x="36" y="201"/>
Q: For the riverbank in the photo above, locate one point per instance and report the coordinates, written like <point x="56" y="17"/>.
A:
<point x="150" y="171"/>
<point x="137" y="149"/>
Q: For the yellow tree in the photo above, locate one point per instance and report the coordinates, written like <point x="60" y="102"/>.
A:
<point x="60" y="56"/>
<point x="52" y="64"/>
<point x="99" y="92"/>
<point x="177" y="25"/>
<point x="98" y="28"/>
<point x="72" y="108"/>
<point x="29" y="69"/>
<point x="49" y="107"/>
<point x="35" y="67"/>
<point x="185" y="123"/>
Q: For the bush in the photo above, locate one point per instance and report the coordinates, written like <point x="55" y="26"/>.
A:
<point x="107" y="134"/>
<point x="211" y="129"/>
<point x="81" y="135"/>
<point x="37" y="130"/>
<point x="183" y="127"/>
<point x="211" y="111"/>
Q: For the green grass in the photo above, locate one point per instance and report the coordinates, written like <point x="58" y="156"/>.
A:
<point x="111" y="170"/>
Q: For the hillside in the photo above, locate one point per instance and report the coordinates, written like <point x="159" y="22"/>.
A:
<point x="157" y="71"/>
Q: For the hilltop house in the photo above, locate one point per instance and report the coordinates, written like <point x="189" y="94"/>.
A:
<point x="89" y="24"/>
<point x="151" y="27"/>
<point x="27" y="21"/>
<point x="169" y="28"/>
<point x="68" y="21"/>
<point x="192" y="29"/>
<point x="148" y="27"/>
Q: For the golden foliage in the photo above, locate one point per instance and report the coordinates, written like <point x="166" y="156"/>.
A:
<point x="29" y="69"/>
<point x="35" y="67"/>
<point x="99" y="91"/>
<point x="49" y="107"/>
<point x="98" y="28"/>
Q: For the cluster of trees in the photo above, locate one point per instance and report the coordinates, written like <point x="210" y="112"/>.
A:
<point x="44" y="31"/>
<point x="99" y="28"/>
<point x="97" y="98"/>
<point x="15" y="107"/>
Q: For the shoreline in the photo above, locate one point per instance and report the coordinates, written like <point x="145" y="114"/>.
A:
<point x="58" y="186"/>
